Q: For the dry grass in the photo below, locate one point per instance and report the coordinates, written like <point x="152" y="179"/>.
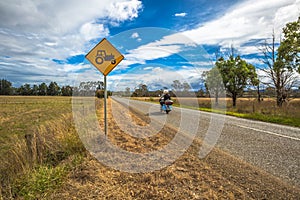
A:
<point x="34" y="131"/>
<point x="52" y="169"/>
<point x="187" y="178"/>
<point x="219" y="176"/>
<point x="266" y="110"/>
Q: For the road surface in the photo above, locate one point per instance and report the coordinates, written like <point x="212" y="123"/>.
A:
<point x="273" y="148"/>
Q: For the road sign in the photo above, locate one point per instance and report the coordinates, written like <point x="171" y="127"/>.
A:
<point x="105" y="57"/>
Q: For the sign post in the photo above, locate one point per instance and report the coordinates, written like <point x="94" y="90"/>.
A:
<point x="105" y="106"/>
<point x="105" y="57"/>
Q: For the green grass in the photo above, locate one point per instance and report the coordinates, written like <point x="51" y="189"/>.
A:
<point x="45" y="179"/>
<point x="40" y="182"/>
<point x="258" y="116"/>
<point x="284" y="120"/>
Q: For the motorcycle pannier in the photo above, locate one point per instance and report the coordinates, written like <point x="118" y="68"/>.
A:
<point x="168" y="102"/>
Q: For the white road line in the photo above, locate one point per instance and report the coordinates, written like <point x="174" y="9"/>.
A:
<point x="271" y="133"/>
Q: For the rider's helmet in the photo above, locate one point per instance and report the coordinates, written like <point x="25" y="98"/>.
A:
<point x="166" y="91"/>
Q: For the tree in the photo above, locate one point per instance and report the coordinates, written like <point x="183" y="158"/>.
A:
<point x="186" y="87"/>
<point x="43" y="89"/>
<point x="177" y="85"/>
<point x="236" y="74"/>
<point x="35" y="90"/>
<point x="127" y="92"/>
<point x="141" y="91"/>
<point x="89" y="88"/>
<point x="280" y="74"/>
<point x="214" y="83"/>
<point x="24" y="90"/>
<point x="53" y="89"/>
<point x="200" y="93"/>
<point x="289" y="49"/>
<point x="5" y="87"/>
<point x="66" y="91"/>
<point x="100" y="85"/>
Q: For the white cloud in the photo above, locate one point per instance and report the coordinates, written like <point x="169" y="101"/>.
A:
<point x="245" y="50"/>
<point x="124" y="10"/>
<point x="254" y="61"/>
<point x="151" y="52"/>
<point x="242" y="23"/>
<point x="157" y="78"/>
<point x="91" y="30"/>
<point x="252" y="19"/>
<point x="168" y="45"/>
<point x="136" y="36"/>
<point x="180" y="14"/>
<point x="148" y="68"/>
<point x="32" y="33"/>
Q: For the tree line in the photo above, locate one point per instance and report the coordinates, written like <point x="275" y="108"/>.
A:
<point x="53" y="89"/>
<point x="89" y="88"/>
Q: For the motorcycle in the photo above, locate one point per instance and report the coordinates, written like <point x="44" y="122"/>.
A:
<point x="167" y="106"/>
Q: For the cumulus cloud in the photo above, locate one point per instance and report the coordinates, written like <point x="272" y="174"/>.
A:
<point x="33" y="33"/>
<point x="92" y="30"/>
<point x="124" y="10"/>
<point x="252" y="19"/>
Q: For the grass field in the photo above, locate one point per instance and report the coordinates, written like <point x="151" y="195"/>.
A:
<point x="266" y="110"/>
<point x="36" y="133"/>
<point x="42" y="157"/>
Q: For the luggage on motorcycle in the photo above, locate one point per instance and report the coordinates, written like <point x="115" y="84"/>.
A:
<point x="168" y="102"/>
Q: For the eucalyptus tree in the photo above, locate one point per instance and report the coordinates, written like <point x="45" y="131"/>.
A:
<point x="236" y="75"/>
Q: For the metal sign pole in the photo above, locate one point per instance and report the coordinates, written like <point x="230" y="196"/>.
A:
<point x="105" y="109"/>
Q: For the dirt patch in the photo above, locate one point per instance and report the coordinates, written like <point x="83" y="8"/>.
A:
<point x="218" y="176"/>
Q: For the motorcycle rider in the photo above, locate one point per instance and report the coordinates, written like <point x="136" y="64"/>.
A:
<point x="166" y="96"/>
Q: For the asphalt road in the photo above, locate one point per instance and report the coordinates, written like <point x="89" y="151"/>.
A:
<point x="271" y="147"/>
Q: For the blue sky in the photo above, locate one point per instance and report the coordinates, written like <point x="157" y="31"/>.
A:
<point x="43" y="41"/>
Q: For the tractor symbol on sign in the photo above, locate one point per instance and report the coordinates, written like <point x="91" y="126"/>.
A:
<point x="101" y="57"/>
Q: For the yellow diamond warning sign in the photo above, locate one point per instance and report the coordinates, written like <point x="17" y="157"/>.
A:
<point x="104" y="56"/>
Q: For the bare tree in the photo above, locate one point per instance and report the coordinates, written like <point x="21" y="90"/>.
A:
<point x="281" y="78"/>
<point x="214" y="83"/>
